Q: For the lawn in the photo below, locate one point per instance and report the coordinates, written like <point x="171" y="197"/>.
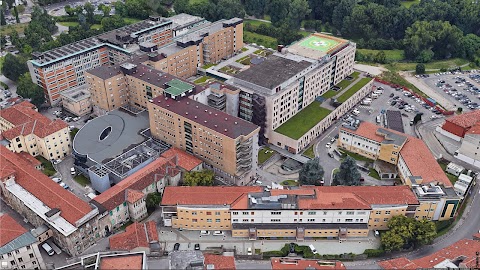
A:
<point x="254" y="23"/>
<point x="393" y="77"/>
<point x="82" y="180"/>
<point x="329" y="94"/>
<point x="309" y="152"/>
<point x="450" y="176"/>
<point x="202" y="80"/>
<point x="373" y="173"/>
<point x="244" y="60"/>
<point x="391" y="55"/>
<point x="355" y="156"/>
<point x="7" y="30"/>
<point x="68" y="24"/>
<point x="345" y="83"/>
<point x="244" y="49"/>
<point x="47" y="166"/>
<point x="96" y="26"/>
<point x="289" y="183"/>
<point x="131" y="20"/>
<point x="450" y="63"/>
<point x="2" y="59"/>
<point x="209" y="65"/>
<point x="409" y="3"/>
<point x="250" y="37"/>
<point x="303" y="121"/>
<point x="347" y="94"/>
<point x="264" y="154"/>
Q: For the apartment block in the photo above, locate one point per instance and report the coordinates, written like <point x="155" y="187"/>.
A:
<point x="75" y="224"/>
<point x="227" y="144"/>
<point x="18" y="246"/>
<point x="24" y="129"/>
<point x="304" y="213"/>
<point x="77" y="101"/>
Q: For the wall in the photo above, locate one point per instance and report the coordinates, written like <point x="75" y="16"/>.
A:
<point x="200" y="218"/>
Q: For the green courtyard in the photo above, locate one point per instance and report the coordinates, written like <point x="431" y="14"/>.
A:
<point x="303" y="121"/>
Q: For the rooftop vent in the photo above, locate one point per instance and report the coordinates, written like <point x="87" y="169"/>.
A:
<point x="236" y="123"/>
<point x="226" y="130"/>
<point x="196" y="106"/>
<point x="226" y="118"/>
<point x="195" y="117"/>
<point x="206" y="110"/>
<point x="188" y="102"/>
<point x="186" y="113"/>
<point x="216" y="126"/>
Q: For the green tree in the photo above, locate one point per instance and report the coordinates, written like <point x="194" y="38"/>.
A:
<point x="392" y="241"/>
<point x="405" y="232"/>
<point x="278" y="11"/>
<point x="2" y="17"/>
<point x="27" y="89"/>
<point x="113" y="22"/>
<point x="105" y="9"/>
<point x="342" y="10"/>
<point x="420" y="68"/>
<point x="181" y="6"/>
<point x="153" y="200"/>
<point x="381" y="57"/>
<point x="15" y="12"/>
<point x="348" y="174"/>
<point x="69" y="10"/>
<point x="202" y="178"/>
<point x="227" y="9"/>
<point x="14" y="66"/>
<point x="255" y="7"/>
<point x="311" y="173"/>
<point x="89" y="9"/>
<point x="297" y="11"/>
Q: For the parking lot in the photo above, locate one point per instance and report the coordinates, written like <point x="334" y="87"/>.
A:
<point x="463" y="90"/>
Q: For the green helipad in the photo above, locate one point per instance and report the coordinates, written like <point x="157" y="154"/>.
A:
<point x="319" y="43"/>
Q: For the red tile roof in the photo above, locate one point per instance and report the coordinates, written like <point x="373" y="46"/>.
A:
<point x="134" y="195"/>
<point x="367" y="130"/>
<point x="33" y="161"/>
<point x="465" y="247"/>
<point x="465" y="120"/>
<point x="299" y="263"/>
<point x="136" y="235"/>
<point x="9" y="229"/>
<point x="27" y="120"/>
<point x="475" y="129"/>
<point x="333" y="199"/>
<point x="218" y="195"/>
<point x="39" y="185"/>
<point x="184" y="160"/>
<point x="220" y="262"/>
<point x="421" y="162"/>
<point x="123" y="262"/>
<point x="146" y="176"/>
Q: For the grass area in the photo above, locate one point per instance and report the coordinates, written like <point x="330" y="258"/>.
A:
<point x="345" y="83"/>
<point x="391" y="55"/>
<point x="347" y="94"/>
<point x="82" y="180"/>
<point x="191" y="2"/>
<point x="73" y="132"/>
<point x="255" y="23"/>
<point x="304" y="33"/>
<point x="96" y="26"/>
<point x="244" y="60"/>
<point x="409" y="3"/>
<point x="309" y="152"/>
<point x="393" y="77"/>
<point x="228" y="70"/>
<point x="450" y="63"/>
<point x="355" y="75"/>
<point x="209" y="65"/>
<point x="7" y="30"/>
<point x="68" y="24"/>
<point x="2" y="84"/>
<point x="47" y="166"/>
<point x="2" y="59"/>
<point x="250" y="37"/>
<point x="289" y="183"/>
<point x="373" y="173"/>
<point x="450" y="176"/>
<point x="329" y="94"/>
<point x="131" y="20"/>
<point x="202" y="80"/>
<point x="303" y="121"/>
<point x="355" y="156"/>
<point x="264" y="154"/>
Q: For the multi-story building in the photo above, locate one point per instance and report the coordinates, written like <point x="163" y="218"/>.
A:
<point x="75" y="224"/>
<point x="77" y="101"/>
<point x="293" y="263"/>
<point x="110" y="261"/>
<point x="61" y="68"/>
<point x="24" y="129"/>
<point x="18" y="246"/>
<point x="226" y="143"/>
<point x="308" y="212"/>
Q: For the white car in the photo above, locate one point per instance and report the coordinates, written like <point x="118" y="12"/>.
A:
<point x="218" y="233"/>
<point x="56" y="161"/>
<point x="249" y="251"/>
<point x="72" y="171"/>
<point x="204" y="233"/>
<point x="57" y="179"/>
<point x="328" y="145"/>
<point x="313" y="249"/>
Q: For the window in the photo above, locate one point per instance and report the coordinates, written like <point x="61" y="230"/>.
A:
<point x="209" y="220"/>
<point x="311" y="220"/>
<point x="244" y="213"/>
<point x="217" y="213"/>
<point x="20" y="259"/>
<point x="234" y="220"/>
<point x="378" y="212"/>
<point x="312" y="213"/>
<point x="209" y="213"/>
<point x="245" y="220"/>
<point x="340" y="212"/>
<point x="348" y="220"/>
<point x="31" y="255"/>
<point x="276" y="213"/>
<point x="350" y="213"/>
<point x="376" y="220"/>
<point x="387" y="212"/>
<point x="217" y="220"/>
<point x="235" y="213"/>
<point x="28" y="247"/>
<point x="385" y="219"/>
<point x="194" y="220"/>
<point x="274" y="220"/>
<point x="194" y="213"/>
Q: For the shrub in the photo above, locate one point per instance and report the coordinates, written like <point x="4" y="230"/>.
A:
<point x="273" y="253"/>
<point x="374" y="252"/>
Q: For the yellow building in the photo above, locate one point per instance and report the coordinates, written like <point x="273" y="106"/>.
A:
<point x="77" y="101"/>
<point x="308" y="212"/>
<point x="26" y="130"/>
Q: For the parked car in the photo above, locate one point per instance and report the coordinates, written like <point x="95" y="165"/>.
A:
<point x="218" y="233"/>
<point x="57" y="179"/>
<point x="72" y="171"/>
<point x="48" y="249"/>
<point x="197" y="247"/>
<point x="56" y="161"/>
<point x="330" y="155"/>
<point x="204" y="233"/>
<point x="313" y="249"/>
<point x="176" y="246"/>
<point x="328" y="145"/>
<point x="249" y="251"/>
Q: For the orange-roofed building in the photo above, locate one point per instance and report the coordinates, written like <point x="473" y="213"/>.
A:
<point x="302" y="264"/>
<point x="26" y="130"/>
<point x="461" y="254"/>
<point x="42" y="201"/>
<point x="137" y="237"/>
<point x="468" y="151"/>
<point x="220" y="262"/>
<point x="184" y="160"/>
<point x="126" y="200"/>
<point x="457" y="126"/>
<point x="18" y="245"/>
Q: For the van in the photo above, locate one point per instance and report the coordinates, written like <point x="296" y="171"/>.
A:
<point x="48" y="249"/>
<point x="313" y="249"/>
<point x="379" y="119"/>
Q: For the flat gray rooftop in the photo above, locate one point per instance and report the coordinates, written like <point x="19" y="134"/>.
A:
<point x="124" y="135"/>
<point x="273" y="71"/>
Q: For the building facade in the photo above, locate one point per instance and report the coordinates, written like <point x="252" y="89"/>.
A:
<point x="26" y="130"/>
<point x="77" y="101"/>
<point x="468" y="150"/>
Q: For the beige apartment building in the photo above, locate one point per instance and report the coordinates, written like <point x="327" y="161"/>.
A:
<point x="26" y="130"/>
<point x="77" y="101"/>
<point x="226" y="143"/>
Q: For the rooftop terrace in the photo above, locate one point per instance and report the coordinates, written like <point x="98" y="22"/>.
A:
<point x="353" y="89"/>
<point x="317" y="45"/>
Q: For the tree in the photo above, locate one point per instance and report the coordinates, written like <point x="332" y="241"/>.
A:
<point x="381" y="57"/>
<point x="342" y="10"/>
<point x="105" y="9"/>
<point x="420" y="68"/>
<point x="2" y="17"/>
<point x="297" y="11"/>
<point x="278" y="11"/>
<point x="15" y="11"/>
<point x="255" y="7"/>
<point x="27" y="89"/>
<point x="69" y="10"/>
<point x="153" y="200"/>
<point x="417" y="118"/>
<point x="111" y="23"/>
<point x="348" y="174"/>
<point x="311" y="173"/>
<point x="202" y="178"/>
<point x="89" y="9"/>
<point x="14" y="66"/>
<point x="405" y="232"/>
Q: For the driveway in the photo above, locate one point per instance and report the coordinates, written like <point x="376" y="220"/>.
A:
<point x="63" y="171"/>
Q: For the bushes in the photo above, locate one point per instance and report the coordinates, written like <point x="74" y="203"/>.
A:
<point x="371" y="253"/>
<point x="273" y="253"/>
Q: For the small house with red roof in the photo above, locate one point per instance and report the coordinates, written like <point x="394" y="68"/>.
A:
<point x="457" y="126"/>
<point x="137" y="237"/>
